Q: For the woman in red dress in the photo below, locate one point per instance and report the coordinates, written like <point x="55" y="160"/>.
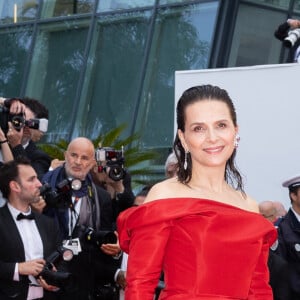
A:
<point x="200" y="227"/>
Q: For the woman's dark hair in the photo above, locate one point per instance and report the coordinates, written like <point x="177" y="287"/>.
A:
<point x="190" y="96"/>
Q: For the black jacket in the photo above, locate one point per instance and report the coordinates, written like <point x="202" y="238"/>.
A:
<point x="12" y="251"/>
<point x="289" y="248"/>
<point x="279" y="273"/>
<point x="39" y="160"/>
<point x="91" y="267"/>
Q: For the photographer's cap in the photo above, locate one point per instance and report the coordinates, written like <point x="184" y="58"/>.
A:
<point x="292" y="182"/>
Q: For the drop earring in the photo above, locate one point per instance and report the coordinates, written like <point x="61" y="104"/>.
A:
<point x="185" y="164"/>
<point x="236" y="140"/>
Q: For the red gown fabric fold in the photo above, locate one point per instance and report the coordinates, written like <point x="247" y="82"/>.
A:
<point x="207" y="250"/>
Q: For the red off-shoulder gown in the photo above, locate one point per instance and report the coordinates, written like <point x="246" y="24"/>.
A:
<point x="207" y="250"/>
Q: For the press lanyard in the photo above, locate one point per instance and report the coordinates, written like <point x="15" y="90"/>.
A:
<point x="74" y="214"/>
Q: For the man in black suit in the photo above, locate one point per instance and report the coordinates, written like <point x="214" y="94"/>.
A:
<point x="26" y="237"/>
<point x="278" y="266"/>
<point x="289" y="235"/>
<point x="82" y="207"/>
<point x="283" y="31"/>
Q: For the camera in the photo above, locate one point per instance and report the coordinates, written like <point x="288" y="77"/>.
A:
<point x="95" y="237"/>
<point x="100" y="237"/>
<point x="111" y="161"/>
<point x="18" y="121"/>
<point x="40" y="124"/>
<point x="57" y="278"/>
<point x="293" y="36"/>
<point x="60" y="196"/>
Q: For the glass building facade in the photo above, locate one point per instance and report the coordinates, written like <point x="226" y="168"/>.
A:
<point x="97" y="64"/>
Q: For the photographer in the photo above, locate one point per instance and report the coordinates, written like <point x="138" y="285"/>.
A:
<point x="5" y="151"/>
<point x="26" y="237"/>
<point x="83" y="213"/>
<point x="290" y="27"/>
<point x="110" y="173"/>
<point x="19" y="134"/>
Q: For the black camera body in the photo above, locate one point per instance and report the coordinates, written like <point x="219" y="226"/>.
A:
<point x="100" y="237"/>
<point x="94" y="237"/>
<point x="60" y="197"/>
<point x="57" y="278"/>
<point x="111" y="161"/>
<point x="17" y="120"/>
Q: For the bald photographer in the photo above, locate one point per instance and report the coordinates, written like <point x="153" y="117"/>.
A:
<point x="83" y="211"/>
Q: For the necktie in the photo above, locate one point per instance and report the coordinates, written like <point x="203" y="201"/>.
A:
<point x="22" y="216"/>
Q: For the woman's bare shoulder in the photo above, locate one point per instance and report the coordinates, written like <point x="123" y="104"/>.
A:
<point x="163" y="189"/>
<point x="252" y="204"/>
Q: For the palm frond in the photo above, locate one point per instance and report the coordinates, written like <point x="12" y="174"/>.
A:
<point x="52" y="150"/>
<point x="136" y="158"/>
<point x="109" y="139"/>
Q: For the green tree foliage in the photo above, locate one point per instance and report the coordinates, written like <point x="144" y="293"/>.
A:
<point x="137" y="160"/>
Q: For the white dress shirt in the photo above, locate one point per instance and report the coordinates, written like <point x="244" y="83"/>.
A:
<point x="33" y="247"/>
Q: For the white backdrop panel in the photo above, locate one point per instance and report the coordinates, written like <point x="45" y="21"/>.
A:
<point x="267" y="101"/>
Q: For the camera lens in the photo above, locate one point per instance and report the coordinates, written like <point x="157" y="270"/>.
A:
<point x="18" y="122"/>
<point x="67" y="255"/>
<point x="76" y="184"/>
<point x="116" y="173"/>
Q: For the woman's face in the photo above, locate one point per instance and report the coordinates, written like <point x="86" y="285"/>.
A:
<point x="209" y="133"/>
